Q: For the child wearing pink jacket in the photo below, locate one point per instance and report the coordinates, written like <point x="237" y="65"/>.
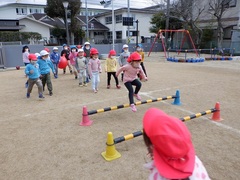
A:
<point x="94" y="68"/>
<point x="131" y="70"/>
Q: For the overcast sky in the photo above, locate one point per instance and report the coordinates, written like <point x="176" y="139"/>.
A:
<point x="94" y="3"/>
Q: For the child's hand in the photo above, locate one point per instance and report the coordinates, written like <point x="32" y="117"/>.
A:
<point x="31" y="71"/>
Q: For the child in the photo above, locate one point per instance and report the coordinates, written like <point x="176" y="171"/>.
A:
<point x="139" y="50"/>
<point x="87" y="49"/>
<point x="33" y="73"/>
<point x="66" y="52"/>
<point x="130" y="77"/>
<point x="81" y="66"/>
<point x="25" y="53"/>
<point x="111" y="68"/>
<point x="72" y="57"/>
<point x="55" y="57"/>
<point x="170" y="147"/>
<point x="94" y="68"/>
<point x="45" y="65"/>
<point x="123" y="57"/>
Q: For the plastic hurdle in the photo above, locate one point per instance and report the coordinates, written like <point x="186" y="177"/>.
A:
<point x="111" y="153"/>
<point x="85" y="115"/>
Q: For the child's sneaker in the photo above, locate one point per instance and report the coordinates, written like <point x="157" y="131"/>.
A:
<point x="85" y="84"/>
<point x="108" y="87"/>
<point x="133" y="107"/>
<point x="41" y="96"/>
<point x="28" y="95"/>
<point x="50" y="93"/>
<point x="75" y="77"/>
<point x="137" y="97"/>
<point x="95" y="91"/>
<point x="56" y="76"/>
<point x="118" y="86"/>
<point x="80" y="84"/>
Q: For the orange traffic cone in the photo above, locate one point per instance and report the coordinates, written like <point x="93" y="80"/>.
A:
<point x="216" y="114"/>
<point x="85" y="119"/>
<point x="111" y="153"/>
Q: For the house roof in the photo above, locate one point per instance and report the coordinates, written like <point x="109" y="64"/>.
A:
<point x="26" y="4"/>
<point x="57" y="22"/>
<point x="32" y="19"/>
<point x="93" y="23"/>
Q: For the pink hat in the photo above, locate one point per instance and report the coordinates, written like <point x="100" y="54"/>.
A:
<point x="173" y="151"/>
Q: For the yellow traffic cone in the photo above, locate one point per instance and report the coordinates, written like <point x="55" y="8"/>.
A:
<point x="111" y="153"/>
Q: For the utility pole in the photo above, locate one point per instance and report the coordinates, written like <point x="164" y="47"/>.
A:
<point x="86" y="10"/>
<point x="137" y="33"/>
<point x="128" y="28"/>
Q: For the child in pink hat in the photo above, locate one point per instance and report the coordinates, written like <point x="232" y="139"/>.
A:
<point x="170" y="147"/>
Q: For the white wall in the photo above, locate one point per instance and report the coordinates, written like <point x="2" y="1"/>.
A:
<point x="31" y="26"/>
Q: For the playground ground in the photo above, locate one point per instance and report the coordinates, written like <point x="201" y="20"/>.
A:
<point x="43" y="139"/>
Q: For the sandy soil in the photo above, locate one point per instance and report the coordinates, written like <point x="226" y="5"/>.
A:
<point x="43" y="139"/>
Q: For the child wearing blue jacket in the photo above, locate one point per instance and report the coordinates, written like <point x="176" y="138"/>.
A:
<point x="55" y="57"/>
<point x="45" y="65"/>
<point x="33" y="73"/>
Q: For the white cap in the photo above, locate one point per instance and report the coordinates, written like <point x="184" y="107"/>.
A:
<point x="55" y="48"/>
<point x="80" y="50"/>
<point x="125" y="46"/>
<point x="43" y="53"/>
<point x="37" y="54"/>
<point x="87" y="43"/>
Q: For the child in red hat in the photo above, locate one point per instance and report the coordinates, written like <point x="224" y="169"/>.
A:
<point x="131" y="70"/>
<point x="169" y="143"/>
<point x="111" y="68"/>
<point x="33" y="73"/>
<point x="94" y="68"/>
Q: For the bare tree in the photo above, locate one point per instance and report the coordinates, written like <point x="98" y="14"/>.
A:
<point x="189" y="11"/>
<point x="217" y="9"/>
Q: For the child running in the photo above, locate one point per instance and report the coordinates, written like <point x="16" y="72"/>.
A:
<point x="55" y="57"/>
<point x="81" y="66"/>
<point x="131" y="70"/>
<point x="140" y="51"/>
<point x="94" y="68"/>
<point x="45" y="65"/>
<point x="111" y="68"/>
<point x="33" y="73"/>
<point x="170" y="147"/>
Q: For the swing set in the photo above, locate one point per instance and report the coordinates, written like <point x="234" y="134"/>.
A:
<point x="185" y="34"/>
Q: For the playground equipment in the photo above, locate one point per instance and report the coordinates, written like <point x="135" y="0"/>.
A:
<point x="178" y="48"/>
<point x="85" y="115"/>
<point x="111" y="153"/>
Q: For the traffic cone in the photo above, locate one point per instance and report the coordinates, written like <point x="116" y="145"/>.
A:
<point x="177" y="99"/>
<point x="111" y="153"/>
<point x="85" y="119"/>
<point x="216" y="114"/>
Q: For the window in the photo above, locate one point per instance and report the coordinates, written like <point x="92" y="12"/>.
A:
<point x="118" y="34"/>
<point x="109" y="35"/>
<point x="108" y="20"/>
<point x="119" y="18"/>
<point x="132" y="33"/>
<point x="21" y="11"/>
<point x="35" y="11"/>
<point x="98" y="33"/>
<point x="230" y="3"/>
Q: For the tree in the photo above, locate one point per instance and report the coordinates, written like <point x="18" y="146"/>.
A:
<point x="158" y="22"/>
<point x="189" y="11"/>
<point x="217" y="9"/>
<point x="55" y="9"/>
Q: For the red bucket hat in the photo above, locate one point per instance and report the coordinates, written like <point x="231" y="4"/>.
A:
<point x="173" y="151"/>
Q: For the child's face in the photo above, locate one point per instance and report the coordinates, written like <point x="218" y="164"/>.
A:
<point x="80" y="54"/>
<point x="136" y="64"/>
<point x="125" y="49"/>
<point x="95" y="56"/>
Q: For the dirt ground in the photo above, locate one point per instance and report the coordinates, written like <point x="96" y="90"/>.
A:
<point x="43" y="139"/>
